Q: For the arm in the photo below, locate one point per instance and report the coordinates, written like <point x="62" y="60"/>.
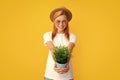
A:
<point x="50" y="45"/>
<point x="71" y="46"/>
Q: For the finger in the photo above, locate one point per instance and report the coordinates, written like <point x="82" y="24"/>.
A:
<point x="65" y="69"/>
<point x="61" y="72"/>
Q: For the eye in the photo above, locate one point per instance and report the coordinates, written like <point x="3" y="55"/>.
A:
<point x="57" y="21"/>
<point x="64" y="21"/>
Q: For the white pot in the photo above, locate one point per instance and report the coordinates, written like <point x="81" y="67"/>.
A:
<point x="61" y="65"/>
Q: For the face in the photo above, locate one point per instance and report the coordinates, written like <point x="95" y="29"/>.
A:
<point x="61" y="23"/>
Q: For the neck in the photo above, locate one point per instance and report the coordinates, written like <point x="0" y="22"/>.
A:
<point x="61" y="32"/>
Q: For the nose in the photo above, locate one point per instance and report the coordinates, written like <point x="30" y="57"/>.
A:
<point x="60" y="24"/>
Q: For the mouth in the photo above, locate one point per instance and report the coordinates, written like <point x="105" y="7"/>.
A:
<point x="62" y="27"/>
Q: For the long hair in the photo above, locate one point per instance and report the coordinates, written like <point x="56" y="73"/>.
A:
<point x="66" y="30"/>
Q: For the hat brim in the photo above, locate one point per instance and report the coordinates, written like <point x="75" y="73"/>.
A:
<point x="69" y="14"/>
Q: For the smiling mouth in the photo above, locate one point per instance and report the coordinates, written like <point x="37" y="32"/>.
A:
<point x="61" y="27"/>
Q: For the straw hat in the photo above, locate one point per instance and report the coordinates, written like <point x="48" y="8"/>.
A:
<point x="68" y="13"/>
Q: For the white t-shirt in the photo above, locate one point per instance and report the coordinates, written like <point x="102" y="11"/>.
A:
<point x="58" y="40"/>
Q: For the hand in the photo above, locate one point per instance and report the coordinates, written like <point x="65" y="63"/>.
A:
<point x="61" y="70"/>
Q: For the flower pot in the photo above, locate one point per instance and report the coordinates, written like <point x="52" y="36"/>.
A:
<point x="61" y="65"/>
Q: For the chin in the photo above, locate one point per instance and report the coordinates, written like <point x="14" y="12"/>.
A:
<point x="61" y="30"/>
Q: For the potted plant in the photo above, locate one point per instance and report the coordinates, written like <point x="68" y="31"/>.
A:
<point x="62" y="55"/>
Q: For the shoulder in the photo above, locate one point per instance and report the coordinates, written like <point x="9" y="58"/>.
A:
<point x="72" y="38"/>
<point x="72" y="34"/>
<point x="47" y="33"/>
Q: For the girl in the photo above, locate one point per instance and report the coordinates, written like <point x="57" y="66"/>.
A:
<point x="59" y="36"/>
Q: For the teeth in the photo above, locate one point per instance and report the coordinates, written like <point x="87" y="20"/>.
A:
<point x="61" y="27"/>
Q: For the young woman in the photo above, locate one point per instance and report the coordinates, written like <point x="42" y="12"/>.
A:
<point x="59" y="36"/>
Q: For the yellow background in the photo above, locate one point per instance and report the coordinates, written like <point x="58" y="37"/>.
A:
<point x="95" y="23"/>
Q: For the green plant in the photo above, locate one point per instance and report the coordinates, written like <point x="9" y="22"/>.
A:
<point x="62" y="54"/>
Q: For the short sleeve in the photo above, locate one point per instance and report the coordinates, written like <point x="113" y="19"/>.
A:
<point x="47" y="37"/>
<point x="72" y="38"/>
